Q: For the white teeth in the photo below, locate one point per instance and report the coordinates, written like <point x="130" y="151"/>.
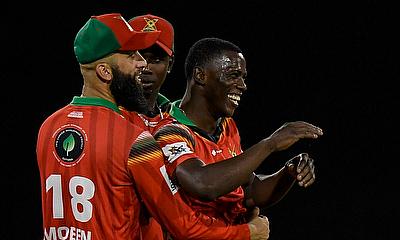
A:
<point x="234" y="98"/>
<point x="138" y="78"/>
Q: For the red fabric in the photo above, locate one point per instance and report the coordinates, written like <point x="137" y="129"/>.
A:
<point x="229" y="207"/>
<point x="128" y="38"/>
<point x="149" y="23"/>
<point x="97" y="179"/>
<point x="97" y="171"/>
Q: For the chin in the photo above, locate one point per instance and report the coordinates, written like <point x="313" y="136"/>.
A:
<point x="148" y="92"/>
<point x="229" y="112"/>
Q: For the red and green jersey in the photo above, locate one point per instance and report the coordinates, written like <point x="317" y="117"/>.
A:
<point x="98" y="171"/>
<point x="146" y="122"/>
<point x="151" y="229"/>
<point x="180" y="140"/>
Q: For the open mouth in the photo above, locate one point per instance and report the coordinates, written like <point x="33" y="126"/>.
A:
<point x="138" y="78"/>
<point x="234" y="98"/>
<point x="147" y="84"/>
<point x="144" y="81"/>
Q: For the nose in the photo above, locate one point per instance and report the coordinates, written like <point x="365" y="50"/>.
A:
<point x="241" y="85"/>
<point x="141" y="61"/>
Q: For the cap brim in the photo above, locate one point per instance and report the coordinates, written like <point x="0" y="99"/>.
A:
<point x="165" y="48"/>
<point x="141" y="40"/>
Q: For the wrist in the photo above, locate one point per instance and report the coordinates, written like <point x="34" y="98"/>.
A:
<point x="270" y="144"/>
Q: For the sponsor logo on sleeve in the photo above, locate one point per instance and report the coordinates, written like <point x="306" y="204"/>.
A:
<point x="172" y="186"/>
<point x="175" y="150"/>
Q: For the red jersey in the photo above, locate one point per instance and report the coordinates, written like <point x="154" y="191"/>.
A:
<point x="146" y="122"/>
<point x="180" y="140"/>
<point x="98" y="171"/>
<point x="150" y="228"/>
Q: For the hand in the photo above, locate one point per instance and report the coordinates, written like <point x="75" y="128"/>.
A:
<point x="302" y="168"/>
<point x="291" y="132"/>
<point x="258" y="225"/>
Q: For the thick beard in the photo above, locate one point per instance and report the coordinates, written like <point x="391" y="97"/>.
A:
<point x="127" y="92"/>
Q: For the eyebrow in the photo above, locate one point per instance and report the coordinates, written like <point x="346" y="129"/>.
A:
<point x="128" y="52"/>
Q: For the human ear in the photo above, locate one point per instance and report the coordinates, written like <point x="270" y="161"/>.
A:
<point x="170" y="64"/>
<point x="103" y="72"/>
<point x="198" y="76"/>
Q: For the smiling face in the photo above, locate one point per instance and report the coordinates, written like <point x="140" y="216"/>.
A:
<point x="225" y="83"/>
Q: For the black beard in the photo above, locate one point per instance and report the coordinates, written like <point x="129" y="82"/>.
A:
<point x="127" y="92"/>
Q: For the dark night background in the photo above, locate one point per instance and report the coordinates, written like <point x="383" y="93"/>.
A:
<point x="329" y="63"/>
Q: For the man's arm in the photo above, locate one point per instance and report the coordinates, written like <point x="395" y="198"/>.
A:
<point x="163" y="200"/>
<point x="266" y="190"/>
<point x="213" y="180"/>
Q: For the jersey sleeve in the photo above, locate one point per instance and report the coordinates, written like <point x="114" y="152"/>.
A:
<point x="164" y="202"/>
<point x="177" y="145"/>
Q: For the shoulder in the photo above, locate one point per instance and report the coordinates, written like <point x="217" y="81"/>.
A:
<point x="144" y="144"/>
<point x="174" y="131"/>
<point x="172" y="127"/>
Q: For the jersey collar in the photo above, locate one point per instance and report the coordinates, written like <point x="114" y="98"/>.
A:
<point x="91" y="101"/>
<point x="179" y="115"/>
<point x="162" y="100"/>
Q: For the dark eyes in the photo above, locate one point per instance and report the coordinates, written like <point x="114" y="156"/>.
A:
<point x="154" y="60"/>
<point x="237" y="75"/>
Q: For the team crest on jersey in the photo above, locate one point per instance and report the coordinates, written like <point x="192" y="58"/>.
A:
<point x="175" y="150"/>
<point x="69" y="142"/>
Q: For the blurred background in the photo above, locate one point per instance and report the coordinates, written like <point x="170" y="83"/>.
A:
<point x="326" y="62"/>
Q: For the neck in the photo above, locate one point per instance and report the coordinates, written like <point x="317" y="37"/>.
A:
<point x="95" y="87"/>
<point x="98" y="93"/>
<point x="153" y="108"/>
<point x="198" y="112"/>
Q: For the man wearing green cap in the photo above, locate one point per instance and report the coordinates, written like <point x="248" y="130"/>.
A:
<point x="98" y="171"/>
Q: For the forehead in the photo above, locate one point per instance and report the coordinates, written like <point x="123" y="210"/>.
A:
<point x="155" y="50"/>
<point x="230" y="59"/>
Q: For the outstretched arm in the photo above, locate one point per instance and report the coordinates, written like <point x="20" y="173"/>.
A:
<point x="209" y="181"/>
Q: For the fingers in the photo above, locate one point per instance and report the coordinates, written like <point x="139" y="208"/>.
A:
<point x="266" y="222"/>
<point x="290" y="133"/>
<point x="265" y="219"/>
<point x="305" y="170"/>
<point x="292" y="168"/>
<point x="306" y="177"/>
<point x="307" y="180"/>
<point x="307" y="130"/>
<point x="310" y="126"/>
<point x="293" y="164"/>
<point x="259" y="226"/>
<point x="254" y="213"/>
<point x="302" y="162"/>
